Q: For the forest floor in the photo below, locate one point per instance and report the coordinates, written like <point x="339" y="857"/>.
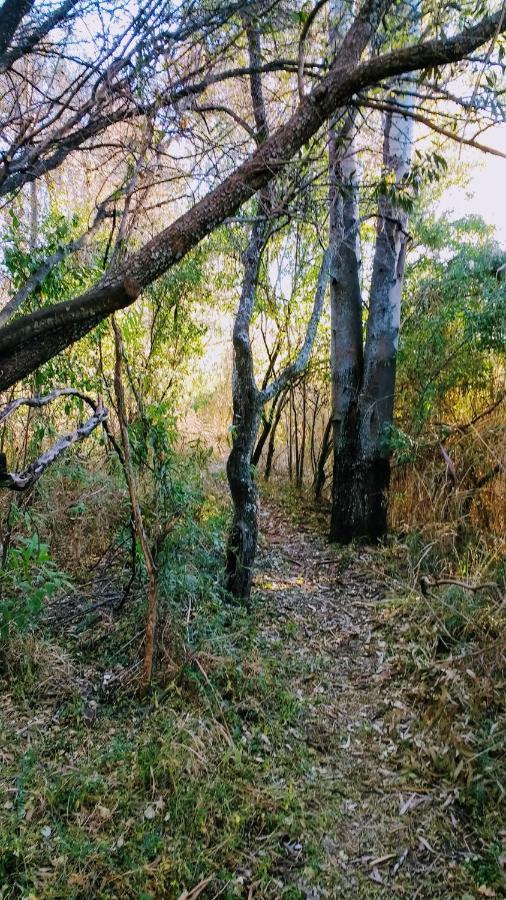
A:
<point x="287" y="757"/>
<point x="394" y="833"/>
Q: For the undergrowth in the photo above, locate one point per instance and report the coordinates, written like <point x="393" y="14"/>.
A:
<point x="102" y="795"/>
<point x="209" y="784"/>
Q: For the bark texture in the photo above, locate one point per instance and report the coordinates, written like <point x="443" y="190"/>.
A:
<point x="363" y="378"/>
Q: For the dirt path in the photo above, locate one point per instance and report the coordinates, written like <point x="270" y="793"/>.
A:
<point x="387" y="834"/>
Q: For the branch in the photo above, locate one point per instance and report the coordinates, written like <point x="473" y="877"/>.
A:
<point x="424" y="120"/>
<point x="39" y="402"/>
<point x="461" y="428"/>
<point x="37" y="277"/>
<point x="426" y="583"/>
<point x="136" y="512"/>
<point x="33" y="37"/>
<point x="11" y="14"/>
<point x="217" y="107"/>
<point x="20" y="481"/>
<point x="35" y="338"/>
<point x="302" y="44"/>
<point x="302" y="359"/>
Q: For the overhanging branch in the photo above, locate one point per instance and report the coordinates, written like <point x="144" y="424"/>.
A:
<point x="35" y="338"/>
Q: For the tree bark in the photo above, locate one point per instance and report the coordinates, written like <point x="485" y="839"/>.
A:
<point x="272" y="438"/>
<point x="364" y="380"/>
<point x="383" y="323"/>
<point x="242" y="540"/>
<point x="11" y="14"/>
<point x="346" y="350"/>
<point x="247" y="404"/>
<point x="323" y="456"/>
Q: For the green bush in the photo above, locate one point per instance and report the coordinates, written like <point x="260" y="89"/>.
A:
<point x="28" y="577"/>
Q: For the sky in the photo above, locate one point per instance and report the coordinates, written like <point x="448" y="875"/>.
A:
<point x="486" y="193"/>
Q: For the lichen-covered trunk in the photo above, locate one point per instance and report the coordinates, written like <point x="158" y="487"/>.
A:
<point x="242" y="539"/>
<point x="246" y="398"/>
<point x="247" y="406"/>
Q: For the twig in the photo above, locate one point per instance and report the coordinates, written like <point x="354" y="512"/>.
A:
<point x="426" y="583"/>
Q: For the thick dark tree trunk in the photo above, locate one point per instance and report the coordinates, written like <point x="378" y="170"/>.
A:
<point x="363" y="379"/>
<point x="346" y="333"/>
<point x="362" y="510"/>
<point x="242" y="540"/>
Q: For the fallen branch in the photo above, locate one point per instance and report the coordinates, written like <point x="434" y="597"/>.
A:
<point x="426" y="583"/>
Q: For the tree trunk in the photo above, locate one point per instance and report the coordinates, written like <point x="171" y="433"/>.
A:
<point x="247" y="403"/>
<point x="383" y="323"/>
<point x="302" y="452"/>
<point x="323" y="456"/>
<point x="242" y="540"/>
<point x="363" y="380"/>
<point x="346" y="329"/>
<point x="267" y="421"/>
<point x="272" y="438"/>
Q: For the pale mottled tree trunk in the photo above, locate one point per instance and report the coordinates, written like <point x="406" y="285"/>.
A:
<point x="248" y="400"/>
<point x="247" y="406"/>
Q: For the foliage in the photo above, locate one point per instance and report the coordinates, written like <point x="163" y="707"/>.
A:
<point x="66" y="277"/>
<point x="454" y="324"/>
<point x="28" y="578"/>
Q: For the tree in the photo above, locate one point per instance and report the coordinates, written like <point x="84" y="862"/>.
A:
<point x="35" y="338"/>
<point x="364" y="376"/>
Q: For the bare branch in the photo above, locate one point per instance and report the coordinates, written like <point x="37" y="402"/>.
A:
<point x="429" y="123"/>
<point x="8" y="57"/>
<point x="302" y="44"/>
<point x="426" y="583"/>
